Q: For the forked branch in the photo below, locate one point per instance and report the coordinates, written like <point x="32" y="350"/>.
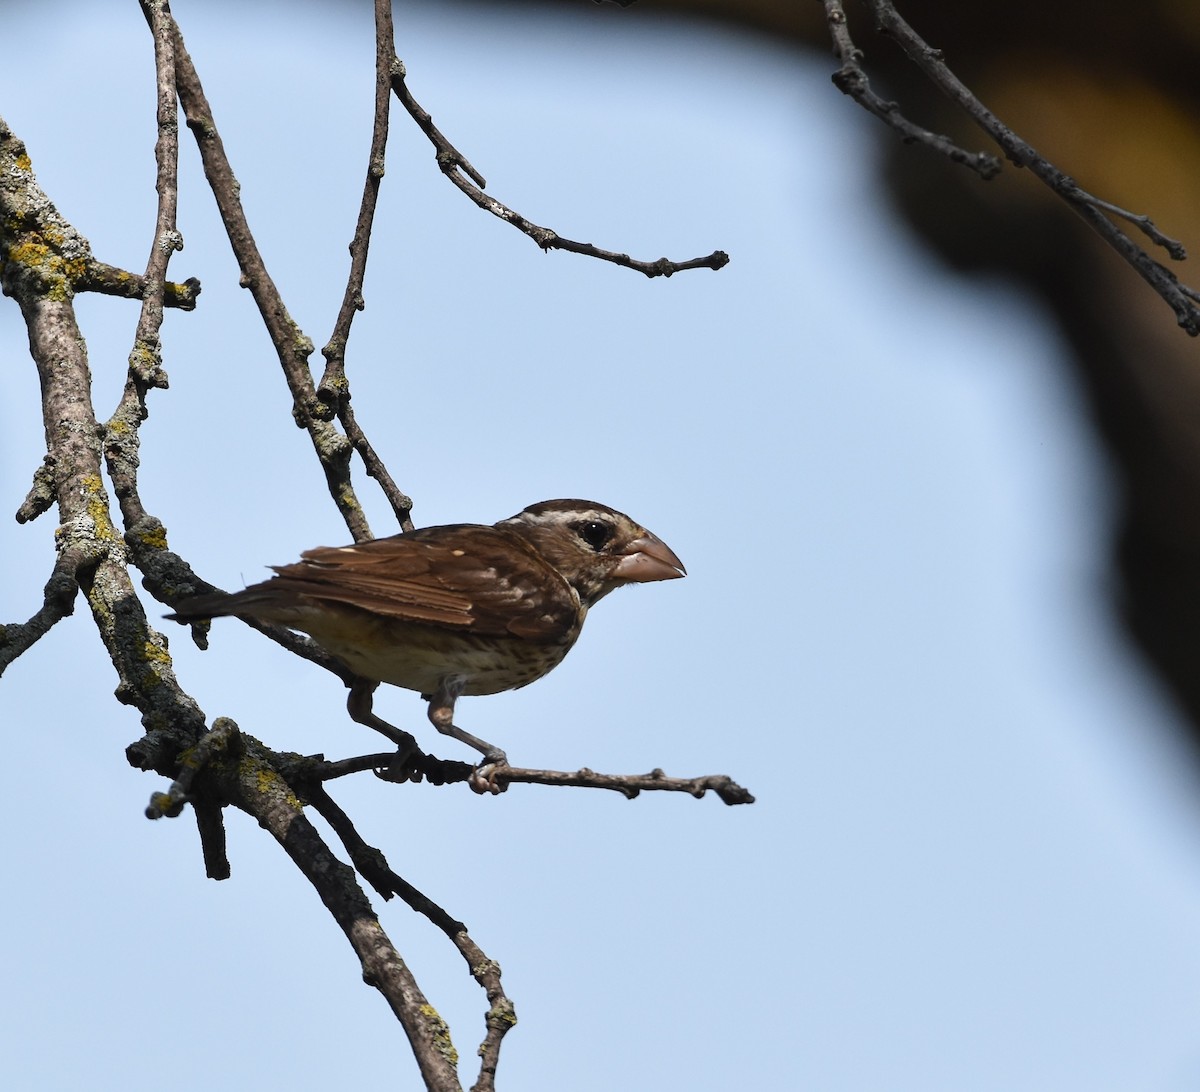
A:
<point x="1098" y="213"/>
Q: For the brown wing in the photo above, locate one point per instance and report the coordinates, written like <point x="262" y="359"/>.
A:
<point x="467" y="576"/>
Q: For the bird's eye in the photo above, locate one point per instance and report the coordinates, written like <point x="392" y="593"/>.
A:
<point x="594" y="533"/>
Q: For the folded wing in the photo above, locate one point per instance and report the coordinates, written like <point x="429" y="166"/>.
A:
<point x="466" y="577"/>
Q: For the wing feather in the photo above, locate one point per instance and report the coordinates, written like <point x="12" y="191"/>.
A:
<point x="472" y="577"/>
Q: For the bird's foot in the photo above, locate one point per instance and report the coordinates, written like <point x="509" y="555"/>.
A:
<point x="407" y="766"/>
<point x="483" y="777"/>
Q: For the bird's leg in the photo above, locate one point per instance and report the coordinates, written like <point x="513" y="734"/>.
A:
<point x="359" y="704"/>
<point x="441" y="716"/>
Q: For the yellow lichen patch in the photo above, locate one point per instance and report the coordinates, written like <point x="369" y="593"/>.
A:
<point x="440" y="1033"/>
<point x="97" y="508"/>
<point x="143" y="356"/>
<point x="152" y="650"/>
<point x="504" y="1012"/>
<point x="28" y="253"/>
<point x="155" y="537"/>
<point x="60" y="273"/>
<point x="24" y="163"/>
<point x="269" y="782"/>
<point x="339" y="385"/>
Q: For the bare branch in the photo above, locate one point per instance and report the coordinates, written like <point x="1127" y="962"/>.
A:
<point x="108" y="280"/>
<point x="852" y="80"/>
<point x="630" y="785"/>
<point x="292" y="346"/>
<point x="1095" y="211"/>
<point x="43" y="258"/>
<point x="43" y="262"/>
<point x="454" y="165"/>
<point x="312" y="410"/>
<point x="58" y="602"/>
<point x="122" y="431"/>
<point x="373" y="866"/>
<point x="1146" y="226"/>
<point x="334" y="387"/>
<point x="400" y="502"/>
<point x="239" y="770"/>
<point x="41" y="495"/>
<point x="210" y="823"/>
<point x="390" y="766"/>
<point x="212" y="746"/>
<point x="1023" y="154"/>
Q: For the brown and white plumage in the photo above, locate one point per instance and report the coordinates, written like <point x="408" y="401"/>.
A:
<point x="456" y="609"/>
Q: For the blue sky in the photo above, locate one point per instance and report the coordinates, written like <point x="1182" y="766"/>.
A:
<point x="974" y="861"/>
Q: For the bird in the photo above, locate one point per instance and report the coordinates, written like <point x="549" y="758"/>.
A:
<point x="453" y="610"/>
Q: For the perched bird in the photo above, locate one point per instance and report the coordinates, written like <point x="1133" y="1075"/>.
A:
<point x="461" y="609"/>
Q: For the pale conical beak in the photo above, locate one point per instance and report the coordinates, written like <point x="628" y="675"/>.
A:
<point x="648" y="558"/>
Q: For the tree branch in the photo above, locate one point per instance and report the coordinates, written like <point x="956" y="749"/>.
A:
<point x="371" y="864"/>
<point x="851" y="79"/>
<point x="334" y="387"/>
<point x="448" y="771"/>
<point x="43" y="262"/>
<point x="292" y="346"/>
<point x="58" y="602"/>
<point x="245" y="773"/>
<point x="108" y="280"/>
<point x="38" y="275"/>
<point x="455" y="166"/>
<point x="43" y="256"/>
<point x="1095" y="211"/>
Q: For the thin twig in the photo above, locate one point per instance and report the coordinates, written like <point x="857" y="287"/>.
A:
<point x="374" y="466"/>
<point x="1145" y="225"/>
<point x="58" y="602"/>
<point x="852" y="80"/>
<point x="122" y="431"/>
<point x="372" y="865"/>
<point x="630" y="785"/>
<point x="292" y="346"/>
<point x="108" y="280"/>
<point x="334" y="387"/>
<point x="1094" y="210"/>
<point x="1021" y="153"/>
<point x="454" y="165"/>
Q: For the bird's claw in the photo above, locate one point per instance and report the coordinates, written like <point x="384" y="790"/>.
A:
<point x="401" y="772"/>
<point x="406" y="765"/>
<point x="483" y="777"/>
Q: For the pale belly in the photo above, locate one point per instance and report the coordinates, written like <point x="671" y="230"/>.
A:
<point x="422" y="658"/>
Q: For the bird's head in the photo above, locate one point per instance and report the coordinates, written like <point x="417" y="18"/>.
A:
<point x="594" y="547"/>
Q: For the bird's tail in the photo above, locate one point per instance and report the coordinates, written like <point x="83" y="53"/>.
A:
<point x="198" y="608"/>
